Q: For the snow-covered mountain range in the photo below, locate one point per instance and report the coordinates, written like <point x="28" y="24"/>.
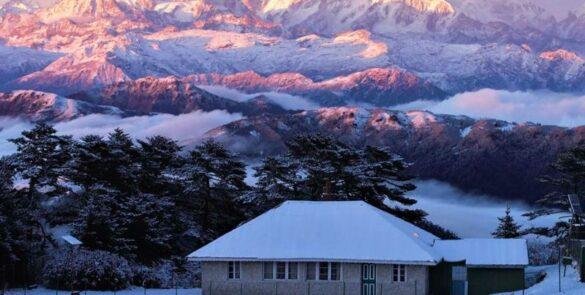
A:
<point x="67" y="46"/>
<point x="63" y="59"/>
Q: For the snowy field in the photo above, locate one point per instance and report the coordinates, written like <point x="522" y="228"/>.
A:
<point x="133" y="291"/>
<point x="570" y="284"/>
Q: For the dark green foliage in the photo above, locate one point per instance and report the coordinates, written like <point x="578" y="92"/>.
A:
<point x="321" y="168"/>
<point x="22" y="240"/>
<point x="568" y="178"/>
<point x="149" y="203"/>
<point x="40" y="158"/>
<point x="213" y="183"/>
<point x="138" y="227"/>
<point x="507" y="228"/>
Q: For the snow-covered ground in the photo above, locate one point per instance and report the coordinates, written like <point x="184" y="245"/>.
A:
<point x="132" y="291"/>
<point x="570" y="284"/>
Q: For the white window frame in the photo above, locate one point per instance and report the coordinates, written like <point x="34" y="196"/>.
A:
<point x="274" y="269"/>
<point x="329" y="269"/>
<point x="399" y="268"/>
<point x="232" y="265"/>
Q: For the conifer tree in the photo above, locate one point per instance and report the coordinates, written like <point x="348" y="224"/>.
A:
<point x="21" y="239"/>
<point x="329" y="169"/>
<point x="568" y="178"/>
<point x="158" y="157"/>
<point x="40" y="159"/>
<point x="213" y="186"/>
<point x="507" y="227"/>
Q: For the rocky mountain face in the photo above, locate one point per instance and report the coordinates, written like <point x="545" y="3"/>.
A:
<point x="149" y="56"/>
<point x="42" y="107"/>
<point x="172" y="96"/>
<point x="377" y="86"/>
<point x="488" y="156"/>
<point x="456" y="45"/>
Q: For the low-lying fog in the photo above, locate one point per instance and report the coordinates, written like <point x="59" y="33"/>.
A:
<point x="469" y="215"/>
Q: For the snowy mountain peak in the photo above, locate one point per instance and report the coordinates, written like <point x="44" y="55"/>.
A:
<point x="75" y="9"/>
<point x="427" y="6"/>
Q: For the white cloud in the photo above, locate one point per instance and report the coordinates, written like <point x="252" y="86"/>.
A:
<point x="539" y="106"/>
<point x="287" y="101"/>
<point x="186" y="128"/>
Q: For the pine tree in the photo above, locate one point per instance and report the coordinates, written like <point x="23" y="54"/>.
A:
<point x="213" y="185"/>
<point x="21" y="239"/>
<point x="320" y="168"/>
<point x="568" y="178"/>
<point x="136" y="226"/>
<point x="40" y="158"/>
<point x="507" y="228"/>
<point x="276" y="182"/>
<point x="158" y="157"/>
<point x="128" y="207"/>
<point x="334" y="171"/>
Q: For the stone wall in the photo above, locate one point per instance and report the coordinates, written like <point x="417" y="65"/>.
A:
<point x="251" y="282"/>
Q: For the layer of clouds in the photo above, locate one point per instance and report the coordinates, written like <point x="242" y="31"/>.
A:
<point x="287" y="101"/>
<point x="539" y="106"/>
<point x="187" y="128"/>
<point x="469" y="215"/>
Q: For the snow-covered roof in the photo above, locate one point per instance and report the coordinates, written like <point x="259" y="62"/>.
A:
<point x="351" y="231"/>
<point x="348" y="231"/>
<point x="484" y="252"/>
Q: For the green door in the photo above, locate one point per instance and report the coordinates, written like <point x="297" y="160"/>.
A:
<point x="368" y="279"/>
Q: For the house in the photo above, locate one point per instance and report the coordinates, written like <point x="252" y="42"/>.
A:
<point x="351" y="247"/>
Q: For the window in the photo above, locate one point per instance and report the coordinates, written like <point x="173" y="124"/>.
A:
<point x="399" y="273"/>
<point x="324" y="271"/>
<point x="281" y="270"/>
<point x="311" y="268"/>
<point x="293" y="270"/>
<point x="268" y="271"/>
<point x="459" y="273"/>
<point x="234" y="270"/>
<point x="334" y="271"/>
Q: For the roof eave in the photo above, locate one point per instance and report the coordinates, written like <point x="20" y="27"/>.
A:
<point x="252" y="259"/>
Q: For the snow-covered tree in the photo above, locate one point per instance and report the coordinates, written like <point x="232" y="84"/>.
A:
<point x="213" y="183"/>
<point x="22" y="241"/>
<point x="158" y="157"/>
<point x="40" y="159"/>
<point x="507" y="227"/>
<point x="136" y="226"/>
<point x="568" y="178"/>
<point x="126" y="206"/>
<point x="276" y="181"/>
<point x="328" y="169"/>
<point x="320" y="168"/>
